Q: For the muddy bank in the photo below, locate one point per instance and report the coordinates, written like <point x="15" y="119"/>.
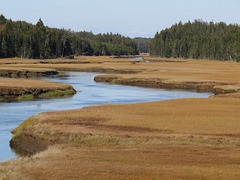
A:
<point x="31" y="140"/>
<point x="204" y="86"/>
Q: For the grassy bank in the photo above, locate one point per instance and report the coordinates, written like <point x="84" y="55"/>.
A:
<point x="174" y="139"/>
<point x="24" y="89"/>
<point x="16" y="72"/>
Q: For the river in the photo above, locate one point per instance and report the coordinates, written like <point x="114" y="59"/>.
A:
<point x="88" y="93"/>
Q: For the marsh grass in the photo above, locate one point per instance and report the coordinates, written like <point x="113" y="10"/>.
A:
<point x="110" y="140"/>
<point x="51" y="151"/>
<point x="57" y="93"/>
<point x="102" y="140"/>
<point x="25" y="124"/>
<point x="114" y="81"/>
<point x="27" y="97"/>
<point x="29" y="83"/>
<point x="76" y="60"/>
<point x="12" y="89"/>
<point x="200" y="140"/>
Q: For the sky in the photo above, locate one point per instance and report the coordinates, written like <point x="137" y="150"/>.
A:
<point x="133" y="18"/>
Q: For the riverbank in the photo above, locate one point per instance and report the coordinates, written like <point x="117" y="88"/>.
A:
<point x="14" y="86"/>
<point x="182" y="138"/>
<point x="12" y="89"/>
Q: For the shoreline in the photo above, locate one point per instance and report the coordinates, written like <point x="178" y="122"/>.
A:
<point x="67" y="134"/>
<point x="213" y="87"/>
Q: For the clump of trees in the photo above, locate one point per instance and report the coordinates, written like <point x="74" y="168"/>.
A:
<point x="198" y="40"/>
<point x="24" y="40"/>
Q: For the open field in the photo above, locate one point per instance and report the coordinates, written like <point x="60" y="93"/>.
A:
<point x="151" y="161"/>
<point x="76" y="60"/>
<point x="190" y="138"/>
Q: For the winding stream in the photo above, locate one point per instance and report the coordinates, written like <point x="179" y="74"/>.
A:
<point x="89" y="93"/>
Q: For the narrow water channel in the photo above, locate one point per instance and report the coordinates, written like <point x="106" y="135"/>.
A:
<point x="89" y="93"/>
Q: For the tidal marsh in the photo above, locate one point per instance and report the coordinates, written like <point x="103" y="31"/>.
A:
<point x="190" y="138"/>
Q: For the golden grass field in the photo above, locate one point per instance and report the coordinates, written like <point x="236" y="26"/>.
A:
<point x="191" y="138"/>
<point x="76" y="60"/>
<point x="26" y="83"/>
<point x="200" y="72"/>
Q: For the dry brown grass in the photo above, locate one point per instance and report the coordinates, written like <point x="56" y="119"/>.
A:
<point x="17" y="61"/>
<point x="76" y="60"/>
<point x="25" y="69"/>
<point x="191" y="70"/>
<point x="27" y="83"/>
<point x="194" y="116"/>
<point x="129" y="162"/>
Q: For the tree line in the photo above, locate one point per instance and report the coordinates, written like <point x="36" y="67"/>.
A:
<point x="143" y="44"/>
<point x="24" y="40"/>
<point x="110" y="44"/>
<point x="198" y="40"/>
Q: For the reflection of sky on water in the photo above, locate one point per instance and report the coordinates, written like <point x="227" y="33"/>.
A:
<point x="89" y="93"/>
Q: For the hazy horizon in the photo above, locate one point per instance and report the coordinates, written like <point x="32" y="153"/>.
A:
<point x="130" y="18"/>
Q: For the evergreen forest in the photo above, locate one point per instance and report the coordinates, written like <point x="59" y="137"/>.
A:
<point x="24" y="40"/>
<point x="198" y="40"/>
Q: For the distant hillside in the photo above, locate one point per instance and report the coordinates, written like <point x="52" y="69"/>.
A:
<point x="24" y="40"/>
<point x="198" y="40"/>
<point x="143" y="44"/>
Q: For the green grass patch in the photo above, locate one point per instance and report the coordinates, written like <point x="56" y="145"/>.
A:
<point x="27" y="97"/>
<point x="49" y="95"/>
<point x="61" y="72"/>
<point x="57" y="93"/>
<point x="114" y="81"/>
<point x="18" y="131"/>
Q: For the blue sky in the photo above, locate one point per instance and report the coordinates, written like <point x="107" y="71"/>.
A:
<point x="132" y="18"/>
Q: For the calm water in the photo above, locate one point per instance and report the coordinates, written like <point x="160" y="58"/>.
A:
<point x="89" y="93"/>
